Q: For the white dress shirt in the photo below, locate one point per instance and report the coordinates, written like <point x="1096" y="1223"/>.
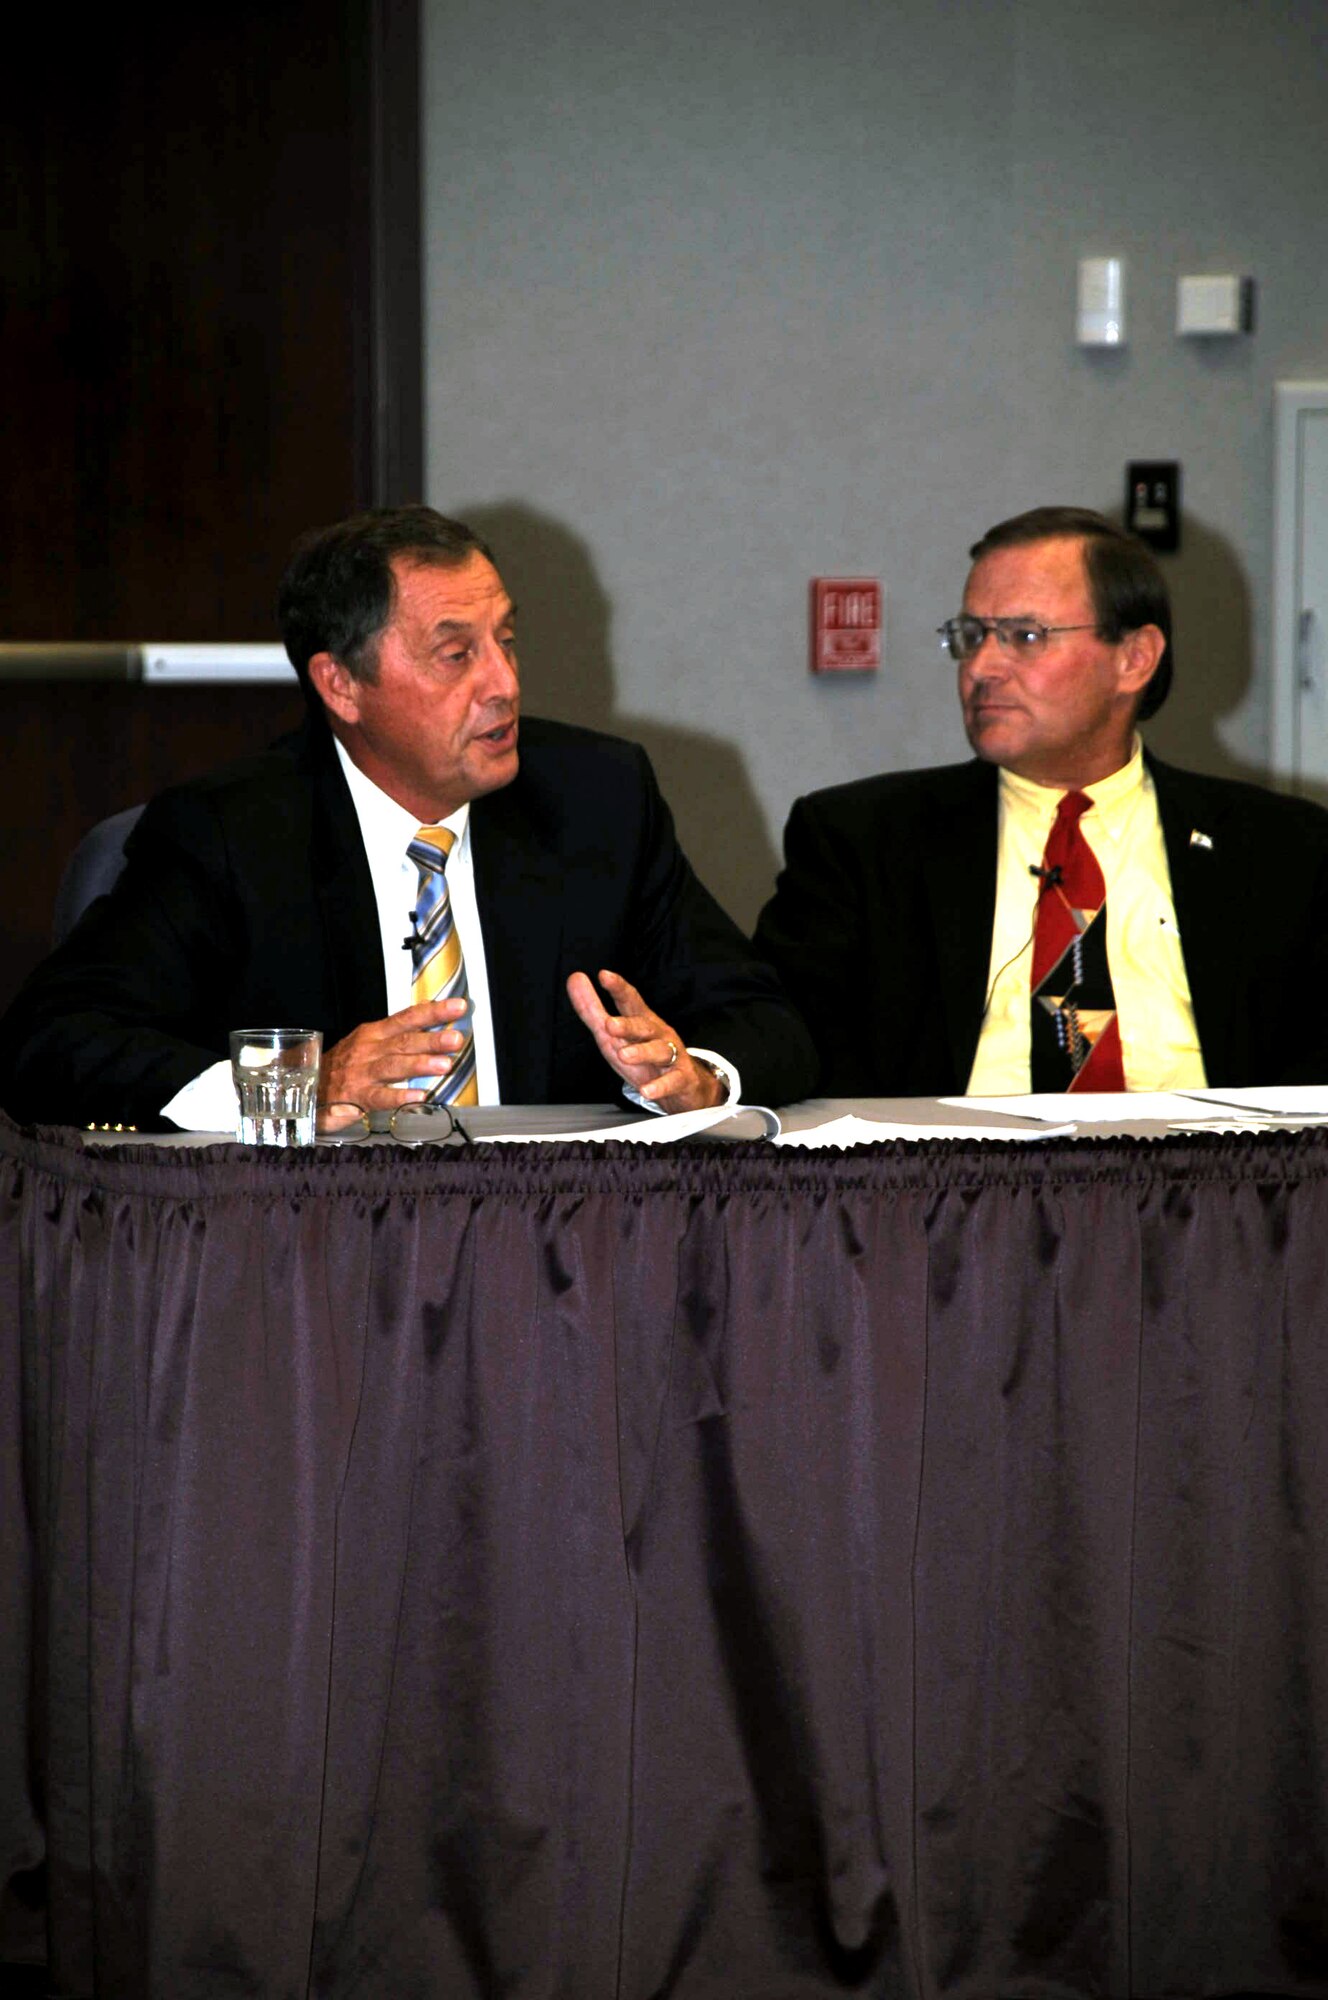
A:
<point x="387" y="829"/>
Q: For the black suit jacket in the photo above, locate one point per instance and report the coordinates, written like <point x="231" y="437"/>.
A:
<point x="880" y="926"/>
<point x="246" y="900"/>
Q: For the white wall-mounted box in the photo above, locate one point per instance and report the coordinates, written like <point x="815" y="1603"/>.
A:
<point x="1218" y="305"/>
<point x="1100" y="303"/>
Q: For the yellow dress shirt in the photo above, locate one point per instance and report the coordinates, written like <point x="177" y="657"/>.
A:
<point x="1159" y="1044"/>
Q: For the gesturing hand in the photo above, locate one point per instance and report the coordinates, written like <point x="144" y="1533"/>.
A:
<point x="369" y="1066"/>
<point x="644" y="1050"/>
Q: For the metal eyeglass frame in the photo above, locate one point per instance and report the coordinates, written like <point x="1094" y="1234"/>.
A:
<point x="1026" y="638"/>
<point x="437" y="1124"/>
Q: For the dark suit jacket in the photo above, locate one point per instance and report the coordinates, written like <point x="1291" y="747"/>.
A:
<point x="246" y="899"/>
<point x="880" y="926"/>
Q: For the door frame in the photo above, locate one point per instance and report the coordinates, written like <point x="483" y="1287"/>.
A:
<point x="1292" y="403"/>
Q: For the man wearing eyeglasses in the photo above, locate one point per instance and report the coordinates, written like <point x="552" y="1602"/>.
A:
<point x="1065" y="912"/>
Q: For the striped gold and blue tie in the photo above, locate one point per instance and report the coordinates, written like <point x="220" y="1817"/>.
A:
<point x="436" y="962"/>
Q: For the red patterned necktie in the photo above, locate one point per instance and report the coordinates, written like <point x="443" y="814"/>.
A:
<point x="1075" y="1035"/>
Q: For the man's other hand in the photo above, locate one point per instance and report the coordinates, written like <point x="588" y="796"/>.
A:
<point x="645" y="1051"/>
<point x="370" y="1065"/>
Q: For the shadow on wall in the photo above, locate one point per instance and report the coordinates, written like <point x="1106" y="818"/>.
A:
<point x="1210" y="607"/>
<point x="567" y="671"/>
<point x="1210" y="614"/>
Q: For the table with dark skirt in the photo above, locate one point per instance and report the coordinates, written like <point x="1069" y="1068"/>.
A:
<point x="699" y="1571"/>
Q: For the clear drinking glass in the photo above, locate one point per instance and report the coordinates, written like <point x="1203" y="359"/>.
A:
<point x="275" y="1071"/>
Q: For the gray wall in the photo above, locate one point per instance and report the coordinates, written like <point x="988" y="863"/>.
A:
<point x="721" y="297"/>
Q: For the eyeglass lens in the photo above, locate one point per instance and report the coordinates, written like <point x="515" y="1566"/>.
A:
<point x="963" y="636"/>
<point x="343" y="1124"/>
<point x="414" y="1124"/>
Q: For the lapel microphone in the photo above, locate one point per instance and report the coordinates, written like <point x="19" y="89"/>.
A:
<point x="1048" y="878"/>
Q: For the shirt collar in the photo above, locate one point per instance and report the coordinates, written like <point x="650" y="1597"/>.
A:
<point x="385" y="825"/>
<point x="1109" y="795"/>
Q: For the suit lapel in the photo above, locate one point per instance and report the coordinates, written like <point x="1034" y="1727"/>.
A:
<point x="959" y="871"/>
<point x="1201" y="880"/>
<point x="344" y="896"/>
<point x="519" y="892"/>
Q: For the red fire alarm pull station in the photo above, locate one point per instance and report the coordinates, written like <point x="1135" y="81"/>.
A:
<point x="846" y="624"/>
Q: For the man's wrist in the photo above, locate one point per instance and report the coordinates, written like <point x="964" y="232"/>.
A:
<point x="718" y="1076"/>
<point x="716" y="1065"/>
<point x="724" y="1072"/>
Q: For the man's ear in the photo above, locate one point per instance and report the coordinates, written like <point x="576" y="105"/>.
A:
<point x="336" y="686"/>
<point x="1141" y="652"/>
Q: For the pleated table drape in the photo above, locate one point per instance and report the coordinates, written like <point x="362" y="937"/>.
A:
<point x="593" y="1572"/>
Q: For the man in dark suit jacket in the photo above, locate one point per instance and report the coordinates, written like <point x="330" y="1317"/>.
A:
<point x="883" y="920"/>
<point x="248" y="898"/>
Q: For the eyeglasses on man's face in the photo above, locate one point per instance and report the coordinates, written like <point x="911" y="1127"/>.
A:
<point x="1023" y="638"/>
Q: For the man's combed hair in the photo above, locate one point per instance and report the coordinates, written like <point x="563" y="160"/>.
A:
<point x="338" y="592"/>
<point x="1128" y="587"/>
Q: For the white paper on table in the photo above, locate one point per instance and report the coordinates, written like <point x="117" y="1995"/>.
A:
<point x="1094" y="1107"/>
<point x="652" y="1131"/>
<point x="851" y="1130"/>
<point x="1272" y="1100"/>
